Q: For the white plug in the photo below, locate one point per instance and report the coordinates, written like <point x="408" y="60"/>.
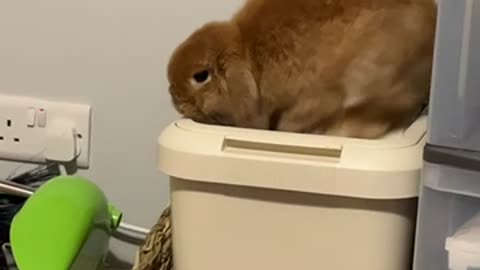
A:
<point x="61" y="143"/>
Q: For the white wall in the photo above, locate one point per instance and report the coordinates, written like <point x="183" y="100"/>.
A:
<point x="111" y="54"/>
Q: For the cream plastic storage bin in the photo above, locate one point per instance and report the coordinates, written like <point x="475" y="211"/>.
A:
<point x="261" y="200"/>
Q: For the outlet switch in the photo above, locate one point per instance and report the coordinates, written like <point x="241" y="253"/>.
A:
<point x="42" y="118"/>
<point x="31" y="117"/>
<point x="26" y="125"/>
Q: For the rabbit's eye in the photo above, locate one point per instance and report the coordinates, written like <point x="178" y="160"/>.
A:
<point x="202" y="76"/>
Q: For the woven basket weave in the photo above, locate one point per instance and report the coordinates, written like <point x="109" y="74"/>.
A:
<point x="156" y="252"/>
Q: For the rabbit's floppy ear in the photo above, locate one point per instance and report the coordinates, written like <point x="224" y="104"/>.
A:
<point x="240" y="81"/>
<point x="244" y="95"/>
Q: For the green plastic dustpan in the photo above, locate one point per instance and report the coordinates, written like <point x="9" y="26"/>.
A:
<point x="66" y="224"/>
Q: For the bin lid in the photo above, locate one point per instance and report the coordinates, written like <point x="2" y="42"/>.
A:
<point x="386" y="168"/>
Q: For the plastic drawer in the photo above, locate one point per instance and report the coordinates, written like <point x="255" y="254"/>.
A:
<point x="449" y="197"/>
<point x="455" y="95"/>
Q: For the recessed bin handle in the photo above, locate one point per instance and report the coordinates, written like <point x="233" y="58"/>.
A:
<point x="248" y="146"/>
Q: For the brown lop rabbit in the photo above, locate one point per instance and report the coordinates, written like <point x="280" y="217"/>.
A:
<point x="355" y="68"/>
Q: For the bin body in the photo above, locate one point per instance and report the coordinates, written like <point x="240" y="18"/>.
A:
<point x="250" y="199"/>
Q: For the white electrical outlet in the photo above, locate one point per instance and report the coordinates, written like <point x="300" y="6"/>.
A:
<point x="25" y="125"/>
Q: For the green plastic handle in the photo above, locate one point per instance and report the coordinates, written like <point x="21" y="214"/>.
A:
<point x="65" y="224"/>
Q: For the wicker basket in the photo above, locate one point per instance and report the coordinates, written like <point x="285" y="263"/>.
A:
<point x="156" y="252"/>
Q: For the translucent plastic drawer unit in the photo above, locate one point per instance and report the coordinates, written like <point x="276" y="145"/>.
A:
<point x="455" y="98"/>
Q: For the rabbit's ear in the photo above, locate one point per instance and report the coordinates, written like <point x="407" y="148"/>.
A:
<point x="244" y="96"/>
<point x="240" y="81"/>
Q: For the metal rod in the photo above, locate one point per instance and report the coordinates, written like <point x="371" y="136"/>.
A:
<point x="15" y="189"/>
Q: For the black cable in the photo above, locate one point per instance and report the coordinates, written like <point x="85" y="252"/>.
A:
<point x="37" y="176"/>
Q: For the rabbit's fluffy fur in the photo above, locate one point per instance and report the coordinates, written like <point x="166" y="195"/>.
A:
<point x="355" y="68"/>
